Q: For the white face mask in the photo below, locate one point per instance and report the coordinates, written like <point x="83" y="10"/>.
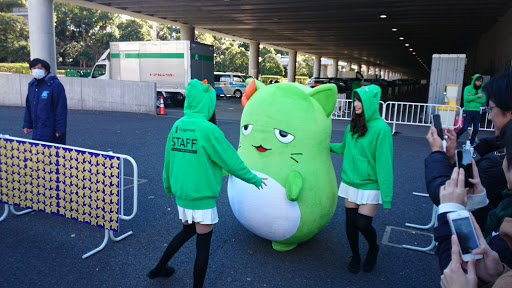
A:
<point x="38" y="73"/>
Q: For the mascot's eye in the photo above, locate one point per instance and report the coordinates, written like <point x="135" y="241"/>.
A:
<point x="283" y="136"/>
<point x="246" y="129"/>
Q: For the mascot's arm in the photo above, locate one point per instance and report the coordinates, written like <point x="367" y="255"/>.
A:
<point x="340" y="147"/>
<point x="294" y="184"/>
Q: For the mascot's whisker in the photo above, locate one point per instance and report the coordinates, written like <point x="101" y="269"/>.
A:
<point x="294" y="158"/>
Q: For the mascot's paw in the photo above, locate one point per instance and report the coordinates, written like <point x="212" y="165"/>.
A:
<point x="283" y="246"/>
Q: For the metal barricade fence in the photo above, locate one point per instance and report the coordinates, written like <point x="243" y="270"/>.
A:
<point x="75" y="183"/>
<point x="405" y="113"/>
<point x="344" y="109"/>
<point x="419" y="114"/>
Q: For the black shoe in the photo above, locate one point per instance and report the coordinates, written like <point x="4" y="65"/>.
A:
<point x="164" y="272"/>
<point x="354" y="266"/>
<point x="371" y="259"/>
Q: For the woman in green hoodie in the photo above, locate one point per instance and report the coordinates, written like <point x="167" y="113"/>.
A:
<point x="195" y="155"/>
<point x="473" y="100"/>
<point x="367" y="174"/>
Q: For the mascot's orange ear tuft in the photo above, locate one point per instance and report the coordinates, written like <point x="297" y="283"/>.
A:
<point x="205" y="81"/>
<point x="249" y="90"/>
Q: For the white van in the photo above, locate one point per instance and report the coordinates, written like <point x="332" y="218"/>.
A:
<point x="229" y="84"/>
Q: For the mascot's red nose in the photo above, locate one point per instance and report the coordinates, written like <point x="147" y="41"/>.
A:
<point x="261" y="149"/>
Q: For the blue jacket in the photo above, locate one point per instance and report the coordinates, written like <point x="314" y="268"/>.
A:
<point x="46" y="109"/>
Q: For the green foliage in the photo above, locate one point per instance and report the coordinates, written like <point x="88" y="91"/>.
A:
<point x="21" y="68"/>
<point x="270" y="65"/>
<point x="14" y="45"/>
<point x="237" y="60"/>
<point x="6" y="6"/>
<point x="305" y="66"/>
<point x="82" y="34"/>
<point x="229" y="56"/>
<point x="135" y="30"/>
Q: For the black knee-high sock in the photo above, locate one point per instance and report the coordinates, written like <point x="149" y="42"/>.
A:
<point x="181" y="238"/>
<point x="351" y="230"/>
<point x="202" y="255"/>
<point x="364" y="224"/>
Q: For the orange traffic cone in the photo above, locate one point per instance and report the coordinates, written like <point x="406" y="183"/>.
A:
<point x="161" y="108"/>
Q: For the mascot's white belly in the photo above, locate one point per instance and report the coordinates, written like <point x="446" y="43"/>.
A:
<point x="265" y="212"/>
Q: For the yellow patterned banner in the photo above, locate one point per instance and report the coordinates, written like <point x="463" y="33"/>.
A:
<point x="75" y="184"/>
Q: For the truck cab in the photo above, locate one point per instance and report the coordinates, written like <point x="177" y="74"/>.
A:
<point x="101" y="69"/>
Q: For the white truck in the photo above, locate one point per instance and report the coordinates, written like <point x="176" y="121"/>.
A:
<point x="170" y="64"/>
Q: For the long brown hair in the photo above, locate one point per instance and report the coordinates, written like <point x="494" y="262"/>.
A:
<point x="358" y="123"/>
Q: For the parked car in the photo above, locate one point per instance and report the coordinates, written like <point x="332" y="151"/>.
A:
<point x="340" y="84"/>
<point x="229" y="83"/>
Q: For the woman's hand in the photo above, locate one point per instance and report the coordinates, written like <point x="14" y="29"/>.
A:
<point x="478" y="188"/>
<point x="436" y="143"/>
<point x="489" y="267"/>
<point x="453" y="276"/>
<point x="263" y="183"/>
<point x="453" y="190"/>
<point x="451" y="144"/>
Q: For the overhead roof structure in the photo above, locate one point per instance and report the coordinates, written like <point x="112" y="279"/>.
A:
<point x="348" y="30"/>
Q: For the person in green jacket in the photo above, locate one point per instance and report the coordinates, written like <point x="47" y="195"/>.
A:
<point x="473" y="100"/>
<point x="195" y="156"/>
<point x="367" y="174"/>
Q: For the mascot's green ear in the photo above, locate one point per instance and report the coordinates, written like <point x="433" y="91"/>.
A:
<point x="325" y="95"/>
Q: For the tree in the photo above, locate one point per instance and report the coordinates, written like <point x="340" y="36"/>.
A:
<point x="135" y="30"/>
<point x="270" y="65"/>
<point x="6" y="6"/>
<point x="237" y="60"/>
<point x="82" y="34"/>
<point x="305" y="66"/>
<point x="14" y="44"/>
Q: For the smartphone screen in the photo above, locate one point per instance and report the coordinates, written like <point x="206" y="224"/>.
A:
<point x="437" y="124"/>
<point x="465" y="234"/>
<point x="464" y="162"/>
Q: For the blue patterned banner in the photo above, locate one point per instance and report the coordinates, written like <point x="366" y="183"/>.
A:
<point x="69" y="182"/>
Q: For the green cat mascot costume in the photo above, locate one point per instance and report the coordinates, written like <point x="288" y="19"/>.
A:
<point x="285" y="135"/>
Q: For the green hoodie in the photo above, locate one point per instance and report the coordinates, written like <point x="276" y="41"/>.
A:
<point x="197" y="151"/>
<point x="368" y="160"/>
<point x="471" y="100"/>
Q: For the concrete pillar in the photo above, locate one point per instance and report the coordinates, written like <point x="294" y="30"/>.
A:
<point x="292" y="65"/>
<point x="317" y="66"/>
<point x="155" y="31"/>
<point x="188" y="32"/>
<point x="335" y="67"/>
<point x="254" y="56"/>
<point x="349" y="66"/>
<point x="42" y="32"/>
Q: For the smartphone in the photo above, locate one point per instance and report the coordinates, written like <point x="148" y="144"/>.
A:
<point x="436" y="118"/>
<point x="462" y="227"/>
<point x="463" y="160"/>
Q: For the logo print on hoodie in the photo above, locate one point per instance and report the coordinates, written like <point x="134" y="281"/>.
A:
<point x="45" y="94"/>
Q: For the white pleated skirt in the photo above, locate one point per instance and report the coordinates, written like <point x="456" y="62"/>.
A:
<point x="206" y="216"/>
<point x="359" y="196"/>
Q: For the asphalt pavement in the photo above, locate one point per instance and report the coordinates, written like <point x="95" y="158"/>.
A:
<point x="43" y="250"/>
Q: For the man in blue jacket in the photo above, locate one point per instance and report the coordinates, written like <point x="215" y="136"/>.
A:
<point x="46" y="108"/>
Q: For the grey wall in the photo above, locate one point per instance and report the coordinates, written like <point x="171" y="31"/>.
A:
<point x="87" y="94"/>
<point x="494" y="50"/>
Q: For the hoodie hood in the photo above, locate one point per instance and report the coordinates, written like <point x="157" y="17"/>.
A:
<point x="200" y="100"/>
<point x="370" y="97"/>
<point x="473" y="82"/>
